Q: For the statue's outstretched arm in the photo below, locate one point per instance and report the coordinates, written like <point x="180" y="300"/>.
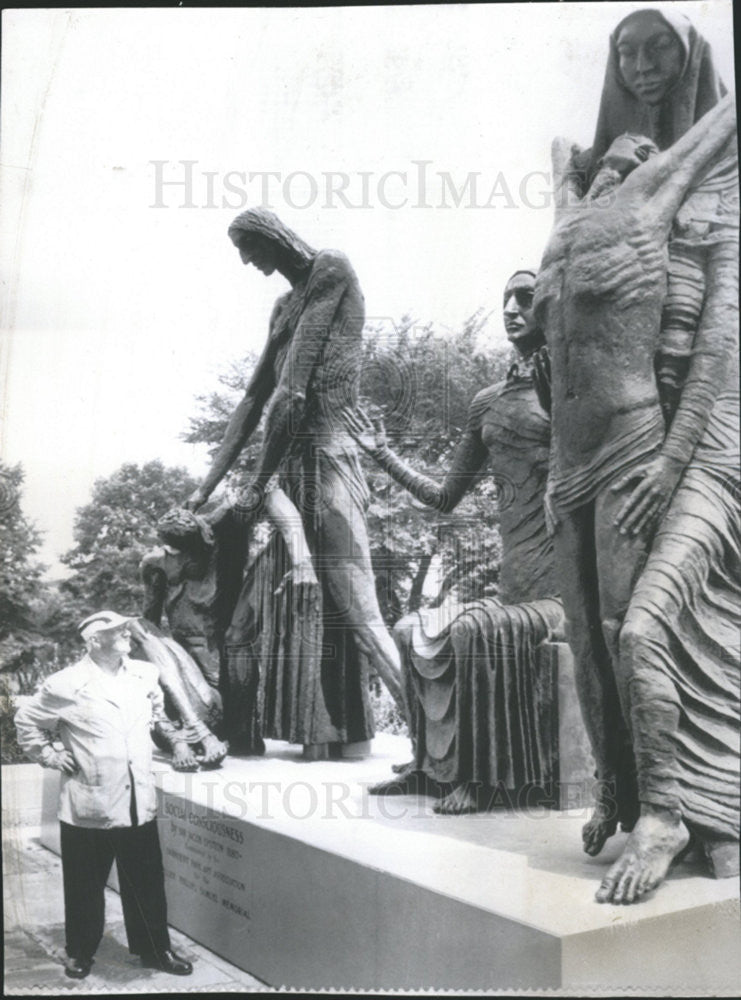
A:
<point x="569" y="178"/>
<point x="469" y="458"/>
<point x="713" y="351"/>
<point x="664" y="179"/>
<point x="241" y="424"/>
<point x="286" y="519"/>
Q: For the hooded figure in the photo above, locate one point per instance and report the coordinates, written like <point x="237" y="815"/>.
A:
<point x="697" y="89"/>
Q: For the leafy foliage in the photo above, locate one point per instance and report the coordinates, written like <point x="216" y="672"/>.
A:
<point x="20" y="573"/>
<point x="10" y="752"/>
<point x="423" y="383"/>
<point x="214" y="410"/>
<point x="23" y="592"/>
<point x="113" y="532"/>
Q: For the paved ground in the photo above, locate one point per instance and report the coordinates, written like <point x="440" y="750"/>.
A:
<point x="34" y="920"/>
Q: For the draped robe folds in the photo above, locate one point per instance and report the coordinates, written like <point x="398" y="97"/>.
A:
<point x="679" y="642"/>
<point x="294" y="670"/>
<point x="687" y="602"/>
<point x="481" y="706"/>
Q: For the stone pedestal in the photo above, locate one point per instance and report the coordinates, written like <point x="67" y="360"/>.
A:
<point x="291" y="871"/>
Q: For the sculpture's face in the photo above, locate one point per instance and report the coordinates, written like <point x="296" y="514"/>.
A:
<point x="650" y="57"/>
<point x="626" y="153"/>
<point x="518" y="306"/>
<point x="258" y="251"/>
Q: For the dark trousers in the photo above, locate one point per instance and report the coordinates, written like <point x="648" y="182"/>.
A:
<point x="87" y="856"/>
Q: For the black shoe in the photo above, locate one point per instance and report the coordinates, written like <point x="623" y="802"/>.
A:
<point x="77" y="968"/>
<point x="168" y="961"/>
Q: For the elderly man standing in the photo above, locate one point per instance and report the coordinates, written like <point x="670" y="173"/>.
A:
<point x="102" y="710"/>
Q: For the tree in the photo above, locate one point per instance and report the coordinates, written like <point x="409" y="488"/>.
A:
<point x="423" y="383"/>
<point x="21" y="576"/>
<point x="215" y="408"/>
<point x="113" y="532"/>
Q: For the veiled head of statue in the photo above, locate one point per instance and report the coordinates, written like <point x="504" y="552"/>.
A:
<point x="651" y="55"/>
<point x="267" y="243"/>
<point x="518" y="305"/>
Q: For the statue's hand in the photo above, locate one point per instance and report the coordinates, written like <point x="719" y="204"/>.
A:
<point x="197" y="499"/>
<point x="370" y="433"/>
<point x="653" y="484"/>
<point x="137" y="630"/>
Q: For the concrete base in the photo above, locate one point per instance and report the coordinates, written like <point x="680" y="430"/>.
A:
<point x="292" y="871"/>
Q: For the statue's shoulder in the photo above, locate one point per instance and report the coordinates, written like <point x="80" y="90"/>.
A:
<point x="332" y="265"/>
<point x="153" y="559"/>
<point x="483" y="401"/>
<point x="278" y="307"/>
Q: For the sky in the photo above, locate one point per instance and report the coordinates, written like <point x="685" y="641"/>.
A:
<point x="415" y="139"/>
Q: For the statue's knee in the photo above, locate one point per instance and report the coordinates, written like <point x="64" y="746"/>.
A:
<point x="461" y="631"/>
<point x="642" y="656"/>
<point x="612" y="632"/>
<point x="231" y="636"/>
<point x="635" y="638"/>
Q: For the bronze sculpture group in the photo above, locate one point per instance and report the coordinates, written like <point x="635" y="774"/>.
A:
<point x="617" y="425"/>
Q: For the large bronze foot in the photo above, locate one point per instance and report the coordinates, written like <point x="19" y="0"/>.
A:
<point x="409" y="782"/>
<point x="463" y="799"/>
<point x="214" y="751"/>
<point x="659" y="838"/>
<point x="603" y="821"/>
<point x="402" y="768"/>
<point x="183" y="758"/>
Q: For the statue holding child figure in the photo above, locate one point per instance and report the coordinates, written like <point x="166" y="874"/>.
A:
<point x="642" y="498"/>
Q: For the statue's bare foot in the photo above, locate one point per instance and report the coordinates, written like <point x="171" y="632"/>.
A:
<point x="462" y="799"/>
<point x="409" y="782"/>
<point x="402" y="768"/>
<point x="657" y="839"/>
<point x="597" y="830"/>
<point x="183" y="758"/>
<point x="603" y="821"/>
<point x="214" y="751"/>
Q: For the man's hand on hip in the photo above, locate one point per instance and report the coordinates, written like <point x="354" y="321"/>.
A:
<point x="60" y="760"/>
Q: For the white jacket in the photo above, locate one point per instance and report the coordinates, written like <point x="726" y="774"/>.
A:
<point x="106" y="725"/>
